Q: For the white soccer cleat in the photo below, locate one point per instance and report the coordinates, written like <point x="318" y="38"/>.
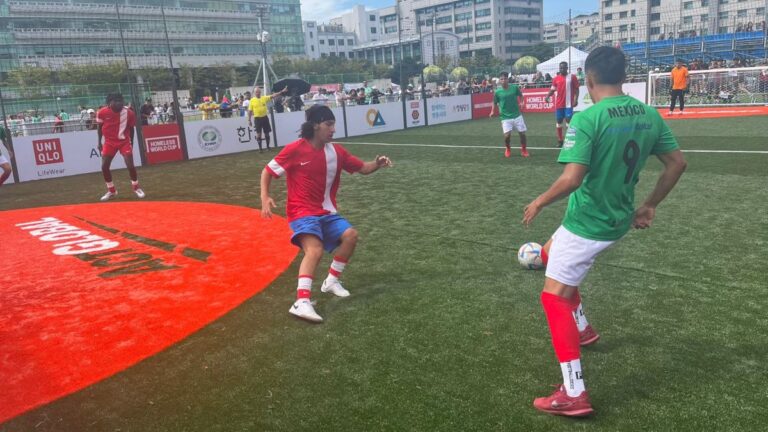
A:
<point x="334" y="288"/>
<point x="108" y="196"/>
<point x="139" y="193"/>
<point x="304" y="310"/>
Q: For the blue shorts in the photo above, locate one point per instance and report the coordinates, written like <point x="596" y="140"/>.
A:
<point x="563" y="113"/>
<point x="328" y="229"/>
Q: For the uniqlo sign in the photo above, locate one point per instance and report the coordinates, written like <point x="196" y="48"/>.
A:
<point x="48" y="151"/>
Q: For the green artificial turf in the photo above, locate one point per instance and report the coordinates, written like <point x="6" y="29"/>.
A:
<point x="444" y="330"/>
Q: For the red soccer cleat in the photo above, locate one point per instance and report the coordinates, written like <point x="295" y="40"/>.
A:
<point x="507" y="153"/>
<point x="559" y="403"/>
<point x="588" y="336"/>
<point x="524" y="153"/>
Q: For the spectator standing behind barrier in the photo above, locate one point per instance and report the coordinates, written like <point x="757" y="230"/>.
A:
<point x="580" y="76"/>
<point x="367" y="92"/>
<point x="762" y="84"/>
<point x="5" y="155"/>
<point x="58" y="124"/>
<point x="680" y="81"/>
<point x="146" y="111"/>
<point x="258" y="110"/>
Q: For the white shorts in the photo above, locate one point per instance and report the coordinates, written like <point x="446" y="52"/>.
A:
<point x="516" y="123"/>
<point x="571" y="256"/>
<point x="3" y="159"/>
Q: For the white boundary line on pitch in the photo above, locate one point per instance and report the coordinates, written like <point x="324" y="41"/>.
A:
<point x="533" y="148"/>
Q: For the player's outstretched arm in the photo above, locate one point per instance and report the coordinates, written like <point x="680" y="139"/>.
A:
<point x="569" y="181"/>
<point x="374" y="165"/>
<point x="674" y="166"/>
<point x="267" y="203"/>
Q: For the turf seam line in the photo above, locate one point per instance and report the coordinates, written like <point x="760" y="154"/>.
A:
<point x="531" y="148"/>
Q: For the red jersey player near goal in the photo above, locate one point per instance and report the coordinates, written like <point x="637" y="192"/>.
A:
<point x="567" y="87"/>
<point x="313" y="167"/>
<point x="115" y="123"/>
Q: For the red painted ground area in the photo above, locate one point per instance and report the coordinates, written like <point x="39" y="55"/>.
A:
<point x="96" y="288"/>
<point x="715" y="112"/>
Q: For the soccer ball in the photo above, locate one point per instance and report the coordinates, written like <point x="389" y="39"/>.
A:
<point x="529" y="256"/>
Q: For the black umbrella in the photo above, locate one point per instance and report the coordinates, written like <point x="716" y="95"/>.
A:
<point x="295" y="86"/>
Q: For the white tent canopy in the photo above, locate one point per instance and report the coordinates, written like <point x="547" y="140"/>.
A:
<point x="577" y="59"/>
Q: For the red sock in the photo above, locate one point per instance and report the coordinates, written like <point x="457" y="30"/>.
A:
<point x="304" y="289"/>
<point x="544" y="256"/>
<point x="565" y="334"/>
<point x="4" y="177"/>
<point x="559" y="133"/>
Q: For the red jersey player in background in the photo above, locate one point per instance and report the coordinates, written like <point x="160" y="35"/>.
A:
<point x="313" y="167"/>
<point x="567" y="87"/>
<point x="115" y="123"/>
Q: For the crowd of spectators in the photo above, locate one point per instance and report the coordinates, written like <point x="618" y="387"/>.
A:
<point x="747" y="27"/>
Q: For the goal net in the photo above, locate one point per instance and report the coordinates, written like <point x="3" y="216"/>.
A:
<point x="714" y="87"/>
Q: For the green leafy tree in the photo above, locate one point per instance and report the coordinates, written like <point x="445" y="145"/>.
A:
<point x="411" y="68"/>
<point x="93" y="74"/>
<point x="30" y="76"/>
<point x="433" y="73"/>
<point x="459" y="73"/>
<point x="542" y="51"/>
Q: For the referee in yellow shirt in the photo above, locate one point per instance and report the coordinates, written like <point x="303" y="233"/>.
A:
<point x="257" y="108"/>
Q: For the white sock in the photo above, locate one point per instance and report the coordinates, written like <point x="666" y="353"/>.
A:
<point x="134" y="183"/>
<point x="110" y="185"/>
<point x="337" y="266"/>
<point x="573" y="380"/>
<point x="580" y="318"/>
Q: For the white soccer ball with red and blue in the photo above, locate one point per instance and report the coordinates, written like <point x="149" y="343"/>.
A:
<point x="529" y="256"/>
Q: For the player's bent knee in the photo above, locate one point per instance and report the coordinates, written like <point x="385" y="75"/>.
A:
<point x="350" y="235"/>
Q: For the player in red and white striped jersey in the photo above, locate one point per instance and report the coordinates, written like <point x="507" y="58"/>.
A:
<point x="567" y="87"/>
<point x="115" y="123"/>
<point x="313" y="167"/>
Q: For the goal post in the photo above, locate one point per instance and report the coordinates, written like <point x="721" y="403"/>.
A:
<point x="713" y="87"/>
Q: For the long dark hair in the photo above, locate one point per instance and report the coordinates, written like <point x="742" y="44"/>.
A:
<point x="307" y="130"/>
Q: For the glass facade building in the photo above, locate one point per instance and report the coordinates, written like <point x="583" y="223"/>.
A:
<point x="56" y="32"/>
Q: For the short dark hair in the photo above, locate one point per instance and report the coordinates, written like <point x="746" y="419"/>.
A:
<point x="504" y="75"/>
<point x="563" y="63"/>
<point x="114" y="96"/>
<point x="606" y="65"/>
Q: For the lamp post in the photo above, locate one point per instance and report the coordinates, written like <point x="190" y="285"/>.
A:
<point x="263" y="37"/>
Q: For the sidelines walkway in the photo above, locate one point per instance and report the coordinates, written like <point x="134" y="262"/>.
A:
<point x="715" y="112"/>
<point x="529" y="147"/>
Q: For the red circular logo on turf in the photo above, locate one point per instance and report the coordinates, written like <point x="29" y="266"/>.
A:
<point x="89" y="290"/>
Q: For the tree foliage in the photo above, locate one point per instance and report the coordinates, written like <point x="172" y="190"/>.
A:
<point x="542" y="51"/>
<point x="433" y="73"/>
<point x="411" y="68"/>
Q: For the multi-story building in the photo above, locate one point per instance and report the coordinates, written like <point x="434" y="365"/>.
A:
<point x="363" y="23"/>
<point x="504" y="28"/>
<point x="627" y="21"/>
<point x="555" y="33"/>
<point x="51" y="33"/>
<point x="327" y="40"/>
<point x="584" y="26"/>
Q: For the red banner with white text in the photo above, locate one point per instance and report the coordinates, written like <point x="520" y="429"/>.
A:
<point x="162" y="143"/>
<point x="534" y="100"/>
<point x="481" y="105"/>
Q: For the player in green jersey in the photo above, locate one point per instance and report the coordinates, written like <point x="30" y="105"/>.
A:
<point x="507" y="98"/>
<point x="605" y="149"/>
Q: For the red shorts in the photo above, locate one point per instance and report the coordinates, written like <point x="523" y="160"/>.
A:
<point x="110" y="149"/>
